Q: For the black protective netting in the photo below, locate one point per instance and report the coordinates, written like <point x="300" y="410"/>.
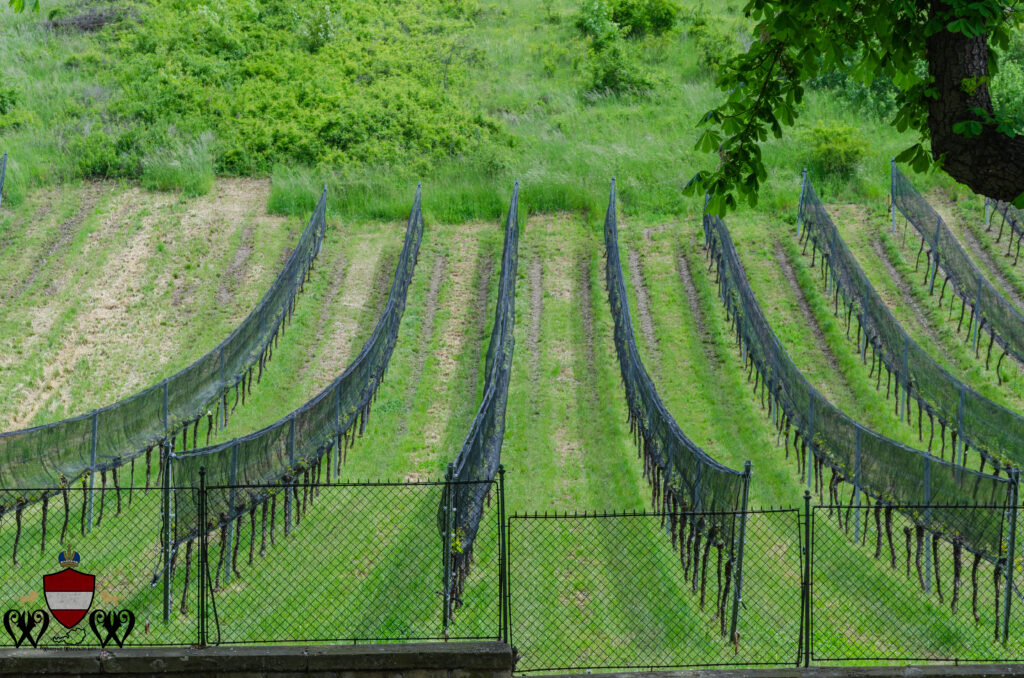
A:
<point x="1014" y="219"/>
<point x="61" y="452"/>
<point x="965" y="418"/>
<point x="892" y="474"/>
<point x="685" y="481"/>
<point x="989" y="311"/>
<point x="296" y="450"/>
<point x="480" y="456"/>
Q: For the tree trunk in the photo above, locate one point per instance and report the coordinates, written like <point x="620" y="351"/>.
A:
<point x="990" y="163"/>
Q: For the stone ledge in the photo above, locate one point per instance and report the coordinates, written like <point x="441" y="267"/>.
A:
<point x="423" y="660"/>
<point x="909" y="671"/>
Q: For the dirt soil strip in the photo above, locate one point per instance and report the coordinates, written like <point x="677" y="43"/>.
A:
<point x="564" y="288"/>
<point x="426" y="335"/>
<point x="335" y="282"/>
<point x="536" y="282"/>
<point x="905" y="292"/>
<point x="455" y="333"/>
<point x="696" y="312"/>
<point x="784" y="264"/>
<point x="53" y="251"/>
<point x="109" y="301"/>
<point x="643" y="308"/>
<point x="970" y="242"/>
<point x="356" y="290"/>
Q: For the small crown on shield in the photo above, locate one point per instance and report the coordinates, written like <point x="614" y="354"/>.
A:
<point x="66" y="561"/>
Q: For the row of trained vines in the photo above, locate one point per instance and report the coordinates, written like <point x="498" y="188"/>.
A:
<point x="702" y="499"/>
<point x="462" y="507"/>
<point x="989" y="311"/>
<point x="894" y="476"/>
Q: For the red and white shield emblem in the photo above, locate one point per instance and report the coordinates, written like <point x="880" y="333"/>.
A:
<point x="69" y="595"/>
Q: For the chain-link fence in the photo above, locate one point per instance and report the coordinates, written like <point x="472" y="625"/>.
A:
<point x="888" y="589"/>
<point x="610" y="591"/>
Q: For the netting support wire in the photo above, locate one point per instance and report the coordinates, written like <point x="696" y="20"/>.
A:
<point x="165" y="541"/>
<point x="804" y="644"/>
<point x="935" y="252"/>
<point x="864" y="317"/>
<point x="958" y="447"/>
<point x="446" y="545"/>
<point x="223" y="389"/>
<point x="904" y="402"/>
<point x="1011" y="549"/>
<point x="201" y="569"/>
<point x="231" y="510"/>
<point x="927" y="523"/>
<point x="92" y="465"/>
<point x="800" y="205"/>
<point x="977" y="312"/>
<point x="503" y="591"/>
<point x="856" y="489"/>
<point x="808" y="468"/>
<point x="892" y="192"/>
<point x="3" y="176"/>
<point x="737" y="597"/>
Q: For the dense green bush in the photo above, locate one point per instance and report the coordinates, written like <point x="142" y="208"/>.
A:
<point x="832" y="149"/>
<point x="180" y="90"/>
<point x="1007" y="85"/>
<point x="610" y="64"/>
<point x="645" y="17"/>
<point x="635" y="18"/>
<point x="714" y="41"/>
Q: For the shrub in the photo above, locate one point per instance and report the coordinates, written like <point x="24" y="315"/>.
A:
<point x="715" y="45"/>
<point x="645" y="17"/>
<point x="612" y="69"/>
<point x="833" y="149"/>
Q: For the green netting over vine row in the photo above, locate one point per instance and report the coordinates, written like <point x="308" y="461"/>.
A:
<point x="296" y="450"/>
<point x="1012" y="217"/>
<point x="989" y="310"/>
<point x="893" y="474"/>
<point x="105" y="439"/>
<point x="967" y="418"/>
<point x="480" y="455"/>
<point x="696" y="492"/>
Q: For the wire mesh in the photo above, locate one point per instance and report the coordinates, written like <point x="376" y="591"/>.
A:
<point x="989" y="310"/>
<point x="608" y="591"/>
<point x="1012" y="218"/>
<point x="349" y="563"/>
<point x="895" y="592"/>
<point x="111" y="437"/>
<point x="876" y="466"/>
<point x="121" y="549"/>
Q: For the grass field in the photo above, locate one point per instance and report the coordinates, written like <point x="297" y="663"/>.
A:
<point x="108" y="287"/>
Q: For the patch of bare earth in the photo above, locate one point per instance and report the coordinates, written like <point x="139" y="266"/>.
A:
<point x="206" y="227"/>
<point x="108" y="320"/>
<point x="565" y="288"/>
<point x="334" y="353"/>
<point x="336" y="279"/>
<point x="967" y="238"/>
<point x="54" y="249"/>
<point x="643" y="307"/>
<point x="696" y="311"/>
<point x="782" y="261"/>
<point x="437" y="274"/>
<point x="535" y="275"/>
<point x="908" y="298"/>
<point x="460" y="298"/>
<point x="585" y="301"/>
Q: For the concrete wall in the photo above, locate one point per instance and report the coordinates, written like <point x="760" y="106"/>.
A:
<point x="420" y="660"/>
